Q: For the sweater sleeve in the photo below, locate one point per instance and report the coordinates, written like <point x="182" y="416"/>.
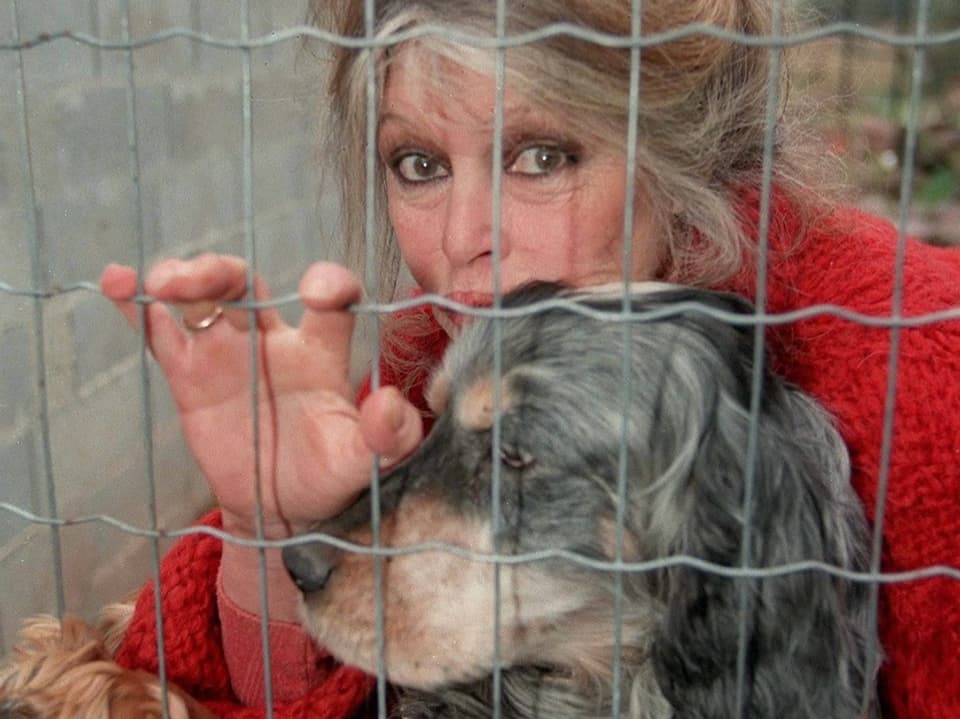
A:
<point x="919" y="618"/>
<point x="297" y="664"/>
<point x="847" y="366"/>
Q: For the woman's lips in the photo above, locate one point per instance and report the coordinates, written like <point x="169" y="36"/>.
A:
<point x="471" y="299"/>
<point x="453" y="321"/>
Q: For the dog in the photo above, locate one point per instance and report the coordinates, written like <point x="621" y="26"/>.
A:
<point x="692" y="642"/>
<point x="62" y="669"/>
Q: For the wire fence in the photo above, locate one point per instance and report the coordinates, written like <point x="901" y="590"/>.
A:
<point x="39" y="292"/>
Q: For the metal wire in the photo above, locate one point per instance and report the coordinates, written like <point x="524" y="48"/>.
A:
<point x="507" y="41"/>
<point x="886" y="445"/>
<point x="679" y="560"/>
<point x="133" y="165"/>
<point x="495" y="430"/>
<point x="746" y="590"/>
<point x="371" y="278"/>
<point x="626" y="376"/>
<point x="39" y="345"/>
<point x="250" y="252"/>
<point x="767" y="319"/>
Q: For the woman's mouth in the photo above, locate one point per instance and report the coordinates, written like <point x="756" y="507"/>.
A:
<point x="453" y="321"/>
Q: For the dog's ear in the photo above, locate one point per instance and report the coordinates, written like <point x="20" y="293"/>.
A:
<point x="803" y="634"/>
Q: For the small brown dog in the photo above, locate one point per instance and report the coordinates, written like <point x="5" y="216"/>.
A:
<point x="62" y="670"/>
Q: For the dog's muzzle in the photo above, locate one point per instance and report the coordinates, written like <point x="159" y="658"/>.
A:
<point x="310" y="565"/>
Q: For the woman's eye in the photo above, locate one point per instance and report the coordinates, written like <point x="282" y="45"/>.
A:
<point x="540" y="160"/>
<point x="415" y="167"/>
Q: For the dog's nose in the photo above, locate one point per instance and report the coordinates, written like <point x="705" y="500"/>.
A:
<point x="309" y="565"/>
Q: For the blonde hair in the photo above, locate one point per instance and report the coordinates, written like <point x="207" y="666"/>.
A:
<point x="701" y="119"/>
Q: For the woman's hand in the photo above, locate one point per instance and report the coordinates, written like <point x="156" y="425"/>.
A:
<point x="316" y="447"/>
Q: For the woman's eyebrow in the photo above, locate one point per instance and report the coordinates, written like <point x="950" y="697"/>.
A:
<point x="521" y="124"/>
<point x="396" y="131"/>
<point x="392" y="122"/>
<point x="392" y="118"/>
<point x="524" y="131"/>
<point x="523" y="121"/>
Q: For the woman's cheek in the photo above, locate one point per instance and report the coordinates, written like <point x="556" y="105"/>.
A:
<point x="420" y="248"/>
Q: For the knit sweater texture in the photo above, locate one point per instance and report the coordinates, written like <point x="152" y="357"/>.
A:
<point x="846" y="259"/>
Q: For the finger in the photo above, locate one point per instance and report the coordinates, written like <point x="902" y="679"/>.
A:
<point x="201" y="285"/>
<point x="267" y="319"/>
<point x="206" y="277"/>
<point x="197" y="286"/>
<point x="118" y="283"/>
<point x="390" y="426"/>
<point x="326" y="290"/>
<point x="165" y="337"/>
<point x="198" y="316"/>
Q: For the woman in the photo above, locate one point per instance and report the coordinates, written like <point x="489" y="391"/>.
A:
<point x="694" y="217"/>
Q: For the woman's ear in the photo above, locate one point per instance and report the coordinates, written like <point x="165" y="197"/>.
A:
<point x="803" y="634"/>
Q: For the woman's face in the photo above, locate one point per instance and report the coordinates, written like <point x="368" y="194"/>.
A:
<point x="562" y="197"/>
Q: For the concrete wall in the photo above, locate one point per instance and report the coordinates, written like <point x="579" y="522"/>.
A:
<point x="188" y="113"/>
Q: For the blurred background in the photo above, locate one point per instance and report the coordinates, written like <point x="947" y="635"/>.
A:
<point x="73" y="428"/>
<point x="75" y="413"/>
<point x="858" y="95"/>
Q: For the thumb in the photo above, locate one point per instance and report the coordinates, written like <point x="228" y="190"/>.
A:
<point x="390" y="425"/>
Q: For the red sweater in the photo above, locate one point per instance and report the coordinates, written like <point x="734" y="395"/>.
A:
<point x="846" y="260"/>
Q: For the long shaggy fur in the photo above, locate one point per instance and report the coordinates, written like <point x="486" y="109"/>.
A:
<point x="560" y="406"/>
<point x="64" y="670"/>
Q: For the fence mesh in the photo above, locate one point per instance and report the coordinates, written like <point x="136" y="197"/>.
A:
<point x="918" y="41"/>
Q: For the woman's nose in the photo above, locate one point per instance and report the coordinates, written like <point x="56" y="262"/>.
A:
<point x="468" y="225"/>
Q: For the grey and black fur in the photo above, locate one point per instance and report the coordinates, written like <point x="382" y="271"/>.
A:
<point x="561" y="408"/>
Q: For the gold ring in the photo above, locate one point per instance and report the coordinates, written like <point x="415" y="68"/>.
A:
<point x="205" y="323"/>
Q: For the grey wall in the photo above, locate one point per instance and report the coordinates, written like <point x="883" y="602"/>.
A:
<point x="188" y="102"/>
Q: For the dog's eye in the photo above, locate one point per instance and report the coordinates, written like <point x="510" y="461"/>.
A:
<point x="515" y="458"/>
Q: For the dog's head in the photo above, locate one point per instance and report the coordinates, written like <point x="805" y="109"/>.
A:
<point x="557" y="431"/>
